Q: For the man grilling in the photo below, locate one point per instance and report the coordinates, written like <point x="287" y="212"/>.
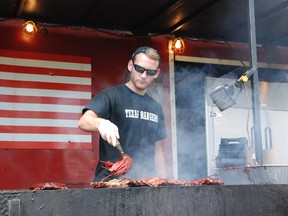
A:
<point x="127" y="114"/>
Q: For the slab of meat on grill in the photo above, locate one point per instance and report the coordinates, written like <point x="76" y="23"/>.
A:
<point x="204" y="181"/>
<point x="49" y="186"/>
<point x="114" y="183"/>
<point x="153" y="182"/>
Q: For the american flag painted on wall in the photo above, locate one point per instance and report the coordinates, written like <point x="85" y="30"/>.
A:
<point x="41" y="99"/>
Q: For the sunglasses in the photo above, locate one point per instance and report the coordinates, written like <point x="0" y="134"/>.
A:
<point x="141" y="69"/>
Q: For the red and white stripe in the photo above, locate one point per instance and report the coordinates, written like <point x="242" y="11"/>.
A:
<point x="41" y="99"/>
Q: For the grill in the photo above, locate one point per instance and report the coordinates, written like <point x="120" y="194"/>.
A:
<point x="216" y="200"/>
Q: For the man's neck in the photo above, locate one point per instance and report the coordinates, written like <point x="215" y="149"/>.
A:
<point x="134" y="89"/>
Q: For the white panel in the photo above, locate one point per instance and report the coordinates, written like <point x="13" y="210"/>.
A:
<point x="45" y="78"/>
<point x="39" y="122"/>
<point x="45" y="64"/>
<point x="45" y="93"/>
<point x="45" y="137"/>
<point x="40" y="107"/>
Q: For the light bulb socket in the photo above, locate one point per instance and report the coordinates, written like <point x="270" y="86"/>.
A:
<point x="178" y="45"/>
<point x="29" y="28"/>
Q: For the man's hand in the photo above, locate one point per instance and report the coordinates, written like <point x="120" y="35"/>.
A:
<point x="108" y="131"/>
<point x="90" y="122"/>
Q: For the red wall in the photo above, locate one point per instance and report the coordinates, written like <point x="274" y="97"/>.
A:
<point x="21" y="168"/>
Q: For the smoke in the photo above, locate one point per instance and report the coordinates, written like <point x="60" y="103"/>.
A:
<point x="190" y="92"/>
<point x="190" y="115"/>
<point x="190" y="84"/>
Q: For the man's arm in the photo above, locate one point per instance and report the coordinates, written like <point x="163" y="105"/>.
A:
<point x="90" y="122"/>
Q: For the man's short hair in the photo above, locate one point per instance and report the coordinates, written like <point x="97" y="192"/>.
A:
<point x="149" y="51"/>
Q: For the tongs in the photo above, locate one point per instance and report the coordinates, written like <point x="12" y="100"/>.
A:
<point x="120" y="149"/>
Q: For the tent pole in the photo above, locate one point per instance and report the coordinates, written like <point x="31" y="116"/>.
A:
<point x="255" y="85"/>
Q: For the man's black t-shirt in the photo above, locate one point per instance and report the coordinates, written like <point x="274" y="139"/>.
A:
<point x="140" y="122"/>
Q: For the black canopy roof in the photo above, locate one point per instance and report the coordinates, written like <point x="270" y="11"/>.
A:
<point x="225" y="20"/>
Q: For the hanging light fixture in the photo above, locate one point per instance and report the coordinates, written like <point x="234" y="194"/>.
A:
<point x="29" y="28"/>
<point x="225" y="96"/>
<point x="178" y="45"/>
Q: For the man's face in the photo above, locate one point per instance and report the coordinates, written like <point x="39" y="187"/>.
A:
<point x="139" y="77"/>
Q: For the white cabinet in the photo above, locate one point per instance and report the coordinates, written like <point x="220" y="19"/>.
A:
<point x="237" y="121"/>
